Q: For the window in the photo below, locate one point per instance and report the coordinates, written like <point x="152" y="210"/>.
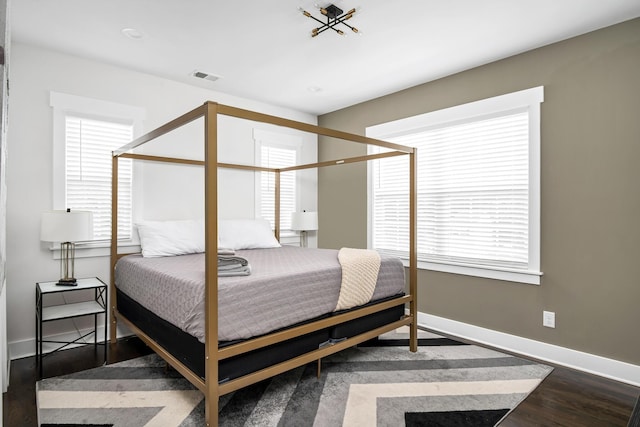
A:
<point x="276" y="151"/>
<point x="478" y="188"/>
<point x="86" y="131"/>
<point x="88" y="147"/>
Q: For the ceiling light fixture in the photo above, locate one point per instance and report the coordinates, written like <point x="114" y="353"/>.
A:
<point x="334" y="16"/>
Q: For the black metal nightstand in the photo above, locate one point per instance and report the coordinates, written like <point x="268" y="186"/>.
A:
<point x="94" y="307"/>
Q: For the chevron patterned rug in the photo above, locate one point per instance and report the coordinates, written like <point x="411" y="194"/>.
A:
<point x="446" y="383"/>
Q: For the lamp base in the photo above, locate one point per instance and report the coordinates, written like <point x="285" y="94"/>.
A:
<point x="67" y="282"/>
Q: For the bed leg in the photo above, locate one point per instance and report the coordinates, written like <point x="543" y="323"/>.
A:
<point x="413" y="336"/>
<point x="319" y="369"/>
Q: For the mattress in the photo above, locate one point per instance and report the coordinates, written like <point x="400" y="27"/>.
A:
<point x="191" y="352"/>
<point x="288" y="285"/>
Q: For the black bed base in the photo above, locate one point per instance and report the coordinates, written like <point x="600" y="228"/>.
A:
<point x="191" y="352"/>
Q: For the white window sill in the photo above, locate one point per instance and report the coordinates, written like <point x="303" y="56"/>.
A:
<point x="289" y="238"/>
<point x="520" y="276"/>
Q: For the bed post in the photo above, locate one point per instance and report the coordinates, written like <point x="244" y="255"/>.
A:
<point x="211" y="263"/>
<point x="413" y="249"/>
<point x="277" y="205"/>
<point x="114" y="249"/>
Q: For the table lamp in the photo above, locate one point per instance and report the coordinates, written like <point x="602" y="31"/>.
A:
<point x="66" y="227"/>
<point x="304" y="221"/>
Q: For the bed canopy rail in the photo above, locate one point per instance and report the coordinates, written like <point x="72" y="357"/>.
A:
<point x="210" y="385"/>
<point x="276" y="171"/>
<point x="240" y="113"/>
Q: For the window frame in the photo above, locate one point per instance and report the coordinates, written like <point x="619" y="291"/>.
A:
<point x="262" y="138"/>
<point x="64" y="105"/>
<point x="529" y="99"/>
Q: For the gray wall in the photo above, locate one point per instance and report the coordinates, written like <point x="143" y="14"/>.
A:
<point x="590" y="193"/>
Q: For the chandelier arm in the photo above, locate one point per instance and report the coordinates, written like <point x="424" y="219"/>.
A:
<point x="343" y="18"/>
<point x="344" y="23"/>
<point x="328" y="26"/>
<point x="332" y="25"/>
<point x="315" y="19"/>
<point x="323" y="29"/>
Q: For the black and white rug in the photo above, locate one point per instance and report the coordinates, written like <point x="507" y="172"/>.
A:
<point x="443" y="384"/>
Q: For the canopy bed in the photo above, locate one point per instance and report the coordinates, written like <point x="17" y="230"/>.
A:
<point x="225" y="350"/>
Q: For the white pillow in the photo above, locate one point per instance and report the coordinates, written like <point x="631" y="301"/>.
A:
<point x="168" y="238"/>
<point x="245" y="234"/>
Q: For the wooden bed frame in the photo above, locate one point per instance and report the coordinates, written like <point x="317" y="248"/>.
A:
<point x="210" y="387"/>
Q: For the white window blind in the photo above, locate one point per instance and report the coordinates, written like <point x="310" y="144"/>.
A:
<point x="472" y="194"/>
<point x="477" y="188"/>
<point x="88" y="147"/>
<point x="278" y="157"/>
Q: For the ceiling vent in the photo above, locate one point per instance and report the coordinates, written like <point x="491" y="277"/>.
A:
<point x="205" y="76"/>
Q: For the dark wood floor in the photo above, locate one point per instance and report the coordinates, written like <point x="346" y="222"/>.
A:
<point x="565" y="398"/>
<point x="19" y="402"/>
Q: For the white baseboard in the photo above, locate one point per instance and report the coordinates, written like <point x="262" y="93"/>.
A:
<point x="27" y="348"/>
<point x="5" y="362"/>
<point x="597" y="365"/>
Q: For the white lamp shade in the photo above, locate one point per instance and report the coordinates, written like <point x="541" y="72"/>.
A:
<point x="304" y="221"/>
<point x="66" y="226"/>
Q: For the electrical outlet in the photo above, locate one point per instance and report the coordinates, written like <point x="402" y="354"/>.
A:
<point x="549" y="319"/>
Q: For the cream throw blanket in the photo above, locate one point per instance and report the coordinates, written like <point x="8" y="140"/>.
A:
<point x="359" y="276"/>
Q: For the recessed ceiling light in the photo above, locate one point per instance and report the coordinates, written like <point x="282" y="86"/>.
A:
<point x="314" y="89"/>
<point x="132" y="33"/>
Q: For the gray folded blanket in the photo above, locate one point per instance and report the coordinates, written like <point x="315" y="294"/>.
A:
<point x="233" y="265"/>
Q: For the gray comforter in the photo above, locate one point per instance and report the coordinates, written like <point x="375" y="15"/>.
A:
<point x="287" y="285"/>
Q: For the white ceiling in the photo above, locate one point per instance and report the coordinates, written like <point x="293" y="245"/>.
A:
<point x="263" y="50"/>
